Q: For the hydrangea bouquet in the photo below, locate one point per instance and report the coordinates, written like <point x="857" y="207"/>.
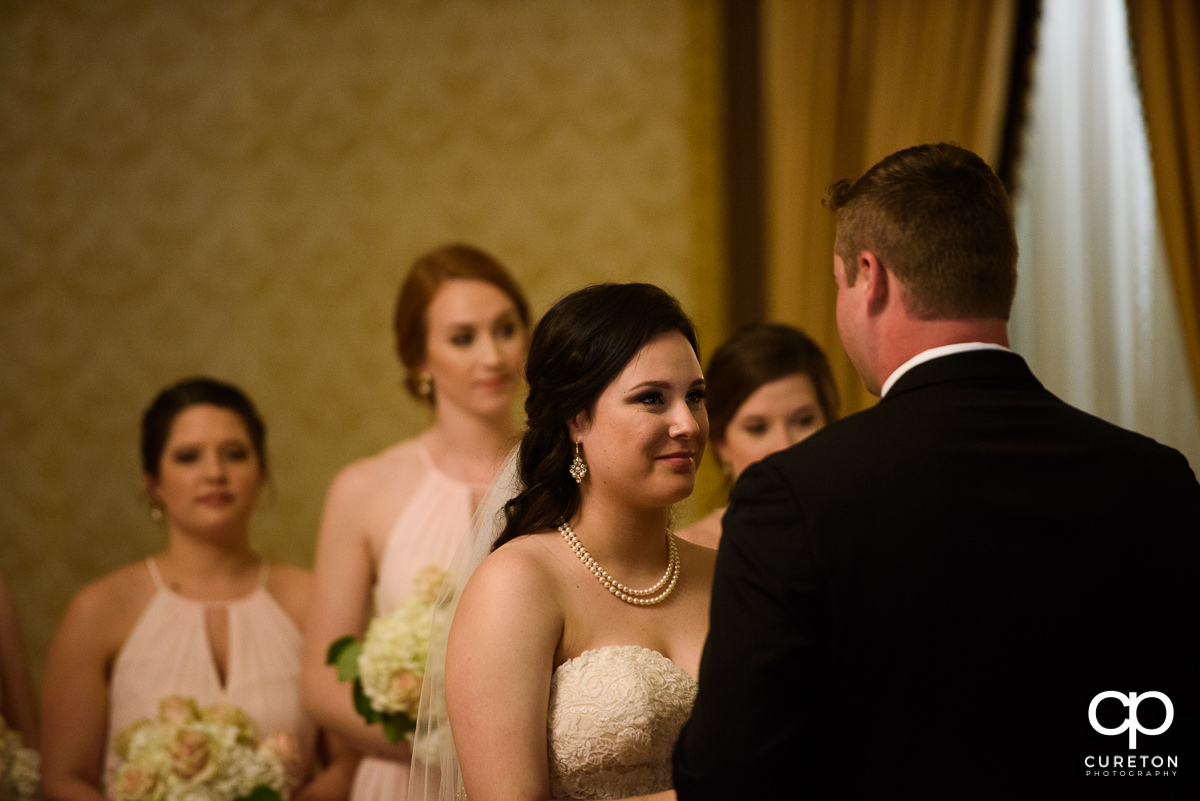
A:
<point x="210" y="754"/>
<point x="388" y="665"/>
<point x="18" y="767"/>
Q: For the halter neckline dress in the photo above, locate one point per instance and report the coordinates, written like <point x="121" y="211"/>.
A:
<point x="428" y="531"/>
<point x="168" y="652"/>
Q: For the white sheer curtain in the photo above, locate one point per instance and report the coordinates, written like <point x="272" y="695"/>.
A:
<point x="1095" y="314"/>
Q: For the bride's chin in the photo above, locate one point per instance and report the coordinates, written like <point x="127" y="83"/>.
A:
<point x="672" y="496"/>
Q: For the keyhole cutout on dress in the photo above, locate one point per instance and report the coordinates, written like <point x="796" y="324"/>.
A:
<point x="216" y="624"/>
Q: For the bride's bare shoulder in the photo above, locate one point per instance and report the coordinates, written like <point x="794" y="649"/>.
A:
<point x="514" y="594"/>
<point x="518" y="569"/>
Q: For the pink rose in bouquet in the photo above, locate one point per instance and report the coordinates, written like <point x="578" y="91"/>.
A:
<point x="428" y="582"/>
<point x="177" y="710"/>
<point x="137" y="781"/>
<point x="406" y="691"/>
<point x="232" y="715"/>
<point x="283" y="749"/>
<point x="193" y="757"/>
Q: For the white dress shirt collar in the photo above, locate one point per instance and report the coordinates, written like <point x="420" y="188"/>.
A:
<point x="934" y="353"/>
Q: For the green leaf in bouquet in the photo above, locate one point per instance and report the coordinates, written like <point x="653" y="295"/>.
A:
<point x="262" y="793"/>
<point x="337" y="647"/>
<point x="396" y="725"/>
<point x="347" y="660"/>
<point x="362" y="704"/>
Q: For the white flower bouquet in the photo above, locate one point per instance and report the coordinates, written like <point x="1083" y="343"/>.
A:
<point x="210" y="754"/>
<point x="19" y="767"/>
<point x="388" y="665"/>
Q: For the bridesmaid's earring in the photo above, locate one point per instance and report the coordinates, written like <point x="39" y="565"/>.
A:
<point x="156" y="513"/>
<point x="578" y="468"/>
<point x="425" y="386"/>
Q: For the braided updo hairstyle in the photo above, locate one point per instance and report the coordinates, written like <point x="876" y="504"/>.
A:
<point x="580" y="346"/>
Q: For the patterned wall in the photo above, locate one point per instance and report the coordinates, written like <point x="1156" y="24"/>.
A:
<point x="236" y="188"/>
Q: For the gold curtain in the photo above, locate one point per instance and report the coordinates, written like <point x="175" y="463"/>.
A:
<point x="845" y="83"/>
<point x="1166" y="44"/>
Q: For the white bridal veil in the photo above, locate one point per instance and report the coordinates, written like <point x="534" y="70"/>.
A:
<point x="435" y="773"/>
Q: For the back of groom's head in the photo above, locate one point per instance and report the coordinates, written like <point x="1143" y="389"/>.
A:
<point x="939" y="219"/>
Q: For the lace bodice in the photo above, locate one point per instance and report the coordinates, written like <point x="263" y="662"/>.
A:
<point x="615" y="713"/>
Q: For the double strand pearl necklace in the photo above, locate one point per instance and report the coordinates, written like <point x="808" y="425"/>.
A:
<point x="647" y="597"/>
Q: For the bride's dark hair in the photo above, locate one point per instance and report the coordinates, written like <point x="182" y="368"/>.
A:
<point x="578" y="348"/>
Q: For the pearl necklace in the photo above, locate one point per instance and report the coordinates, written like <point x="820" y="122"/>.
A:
<point x="646" y="597"/>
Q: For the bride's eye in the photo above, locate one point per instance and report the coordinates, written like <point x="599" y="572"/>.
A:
<point x="649" y="398"/>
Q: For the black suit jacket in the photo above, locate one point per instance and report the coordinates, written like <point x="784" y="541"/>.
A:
<point x="922" y="600"/>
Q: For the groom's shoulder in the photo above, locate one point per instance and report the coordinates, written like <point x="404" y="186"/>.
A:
<point x="858" y="436"/>
<point x="828" y="458"/>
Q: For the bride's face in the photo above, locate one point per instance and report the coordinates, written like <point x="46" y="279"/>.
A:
<point x="644" y="437"/>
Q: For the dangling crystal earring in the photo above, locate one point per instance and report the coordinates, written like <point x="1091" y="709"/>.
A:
<point x="578" y="468"/>
<point x="425" y="386"/>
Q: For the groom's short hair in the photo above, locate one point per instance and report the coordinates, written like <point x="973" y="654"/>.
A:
<point x="940" y="220"/>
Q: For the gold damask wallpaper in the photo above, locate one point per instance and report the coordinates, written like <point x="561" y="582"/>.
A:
<point x="235" y="188"/>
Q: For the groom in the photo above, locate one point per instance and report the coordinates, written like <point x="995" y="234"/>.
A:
<point x="956" y="593"/>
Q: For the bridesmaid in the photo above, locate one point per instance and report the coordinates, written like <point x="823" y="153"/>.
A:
<point x="769" y="387"/>
<point x="461" y="324"/>
<point x="206" y="617"/>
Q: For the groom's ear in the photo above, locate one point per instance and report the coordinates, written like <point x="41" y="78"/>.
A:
<point x="878" y="281"/>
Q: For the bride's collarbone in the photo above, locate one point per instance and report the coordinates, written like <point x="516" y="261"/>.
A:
<point x="669" y="636"/>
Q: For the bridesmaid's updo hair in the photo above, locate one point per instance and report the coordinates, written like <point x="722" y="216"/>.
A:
<point x="160" y="416"/>
<point x="580" y="346"/>
<point x="759" y="354"/>
<point x="410" y="322"/>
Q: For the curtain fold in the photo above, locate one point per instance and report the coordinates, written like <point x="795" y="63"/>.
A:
<point x="1166" y="44"/>
<point x="1095" y="312"/>
<point x="845" y="83"/>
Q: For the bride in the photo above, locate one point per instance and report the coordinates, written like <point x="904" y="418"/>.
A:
<point x="572" y="660"/>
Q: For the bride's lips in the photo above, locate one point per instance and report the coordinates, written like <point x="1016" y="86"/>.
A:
<point x="679" y="458"/>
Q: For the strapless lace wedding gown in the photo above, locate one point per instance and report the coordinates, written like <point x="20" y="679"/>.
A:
<point x="615" y="713"/>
